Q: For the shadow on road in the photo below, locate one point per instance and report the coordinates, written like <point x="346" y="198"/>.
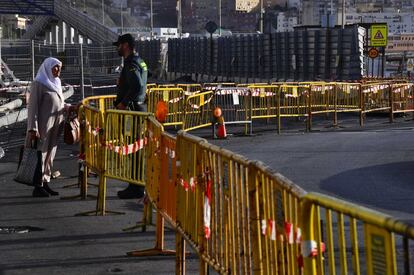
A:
<point x="389" y="186"/>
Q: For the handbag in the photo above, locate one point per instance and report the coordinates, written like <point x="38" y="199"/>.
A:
<point x="29" y="170"/>
<point x="71" y="134"/>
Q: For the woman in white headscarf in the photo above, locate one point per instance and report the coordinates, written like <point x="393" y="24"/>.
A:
<point x="45" y="118"/>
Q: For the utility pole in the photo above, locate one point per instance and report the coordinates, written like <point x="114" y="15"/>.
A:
<point x="343" y="14"/>
<point x="261" y="16"/>
<point x="1" y="36"/>
<point x="152" y="20"/>
<point x="219" y="12"/>
<point x="103" y="12"/>
<point x="179" y="17"/>
<point x="33" y="60"/>
<point x="82" y="86"/>
<point x="122" y="19"/>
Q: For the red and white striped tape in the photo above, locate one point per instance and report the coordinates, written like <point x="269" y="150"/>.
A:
<point x="127" y="149"/>
<point x="310" y="248"/>
<point x="207" y="206"/>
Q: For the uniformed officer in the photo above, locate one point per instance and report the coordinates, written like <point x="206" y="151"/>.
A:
<point x="131" y="92"/>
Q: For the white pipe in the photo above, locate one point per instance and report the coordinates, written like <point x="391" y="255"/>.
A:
<point x="11" y="105"/>
<point x="21" y="115"/>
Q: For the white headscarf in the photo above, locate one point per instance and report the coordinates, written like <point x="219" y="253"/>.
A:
<point x="45" y="76"/>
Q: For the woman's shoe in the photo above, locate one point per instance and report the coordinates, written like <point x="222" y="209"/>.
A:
<point x="40" y="192"/>
<point x="49" y="190"/>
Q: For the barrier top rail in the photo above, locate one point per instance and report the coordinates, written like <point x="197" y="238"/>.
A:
<point x="362" y="213"/>
<point x="283" y="182"/>
<point x="87" y="102"/>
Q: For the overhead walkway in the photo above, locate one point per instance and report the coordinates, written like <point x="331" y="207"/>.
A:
<point x="84" y="24"/>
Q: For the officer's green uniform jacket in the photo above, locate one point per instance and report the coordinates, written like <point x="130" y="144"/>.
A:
<point x="132" y="81"/>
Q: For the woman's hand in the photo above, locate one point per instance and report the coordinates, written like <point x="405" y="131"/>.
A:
<point x="33" y="135"/>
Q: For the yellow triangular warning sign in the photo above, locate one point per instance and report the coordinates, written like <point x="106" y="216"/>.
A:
<point x="378" y="35"/>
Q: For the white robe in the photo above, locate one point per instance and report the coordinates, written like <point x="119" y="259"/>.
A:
<point x="45" y="115"/>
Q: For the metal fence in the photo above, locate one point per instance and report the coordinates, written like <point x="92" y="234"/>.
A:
<point x="96" y="67"/>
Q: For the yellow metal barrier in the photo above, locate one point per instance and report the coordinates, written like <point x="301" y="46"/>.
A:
<point x="91" y="114"/>
<point x="360" y="232"/>
<point x="332" y="98"/>
<point x="150" y="86"/>
<point x="198" y="111"/>
<point x="322" y="98"/>
<point x="213" y="206"/>
<point x="347" y="97"/>
<point x="92" y="136"/>
<point x="238" y="215"/>
<point x="274" y="215"/>
<point x="375" y="98"/>
<point x="264" y="101"/>
<point x="174" y="99"/>
<point x="160" y="185"/>
<point x="124" y="151"/>
<point x="402" y="98"/>
<point x="125" y="141"/>
<point x="292" y="101"/>
<point x="235" y="104"/>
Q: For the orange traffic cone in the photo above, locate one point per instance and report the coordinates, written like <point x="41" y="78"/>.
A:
<point x="221" y="129"/>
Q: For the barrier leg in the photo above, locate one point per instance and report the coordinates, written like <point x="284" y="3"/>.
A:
<point x="158" y="250"/>
<point x="180" y="255"/>
<point x="391" y="97"/>
<point x="146" y="219"/>
<point x="100" y="202"/>
<point x="83" y="183"/>
<point x="309" y="124"/>
<point x="203" y="266"/>
<point x="361" y="104"/>
<point x="279" y="124"/>
<point x="335" y="118"/>
<point x="407" y="266"/>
